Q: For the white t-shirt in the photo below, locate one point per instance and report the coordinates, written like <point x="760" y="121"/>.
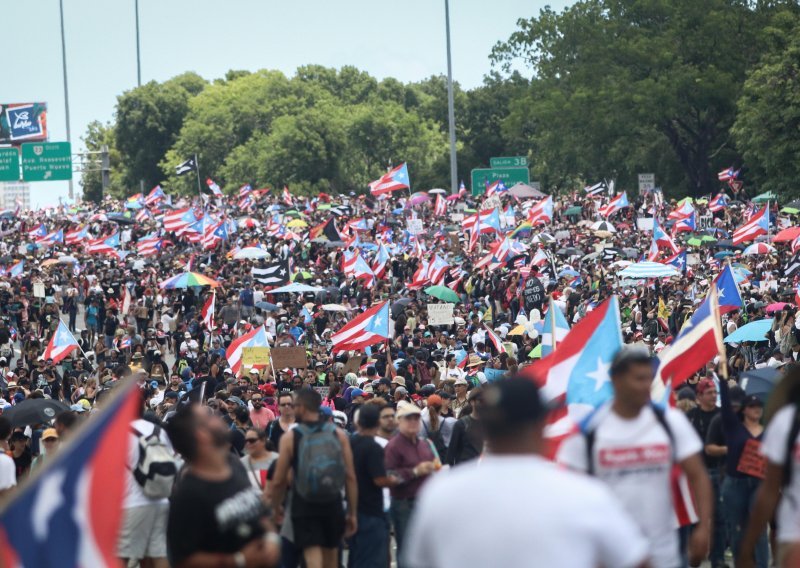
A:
<point x="773" y="446"/>
<point x="528" y="512"/>
<point x="634" y="458"/>
<point x="8" y="472"/>
<point x="134" y="497"/>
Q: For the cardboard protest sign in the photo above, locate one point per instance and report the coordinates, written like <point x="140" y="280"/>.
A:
<point x="440" y="314"/>
<point x="289" y="358"/>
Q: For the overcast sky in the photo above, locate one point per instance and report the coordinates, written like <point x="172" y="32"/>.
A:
<point x="405" y="40"/>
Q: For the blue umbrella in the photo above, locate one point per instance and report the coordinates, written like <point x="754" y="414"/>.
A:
<point x="568" y="272"/>
<point x="723" y="254"/>
<point x="397" y="211"/>
<point x="267" y="306"/>
<point x="753" y="331"/>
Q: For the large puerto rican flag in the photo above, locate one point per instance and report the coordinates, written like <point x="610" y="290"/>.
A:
<point x="757" y="225"/>
<point x="391" y="181"/>
<point x="575" y="376"/>
<point x="369" y="328"/>
<point x="70" y="513"/>
<point x="61" y="344"/>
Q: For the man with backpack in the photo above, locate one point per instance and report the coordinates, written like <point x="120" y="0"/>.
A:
<point x="321" y="461"/>
<point x="151" y="474"/>
<point x="632" y="445"/>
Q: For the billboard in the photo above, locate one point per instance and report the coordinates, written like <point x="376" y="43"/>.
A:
<point x="23" y="122"/>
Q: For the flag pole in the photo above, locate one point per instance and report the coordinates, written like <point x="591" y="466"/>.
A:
<point x="197" y="171"/>
<point x="552" y="324"/>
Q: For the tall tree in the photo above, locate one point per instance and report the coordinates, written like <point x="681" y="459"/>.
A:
<point x="615" y="80"/>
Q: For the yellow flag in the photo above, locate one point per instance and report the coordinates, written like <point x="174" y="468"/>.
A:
<point x="663" y="312"/>
<point x="487" y="315"/>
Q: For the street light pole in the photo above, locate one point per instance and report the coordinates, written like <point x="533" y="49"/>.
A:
<point x="66" y="89"/>
<point x="451" y="113"/>
<point x="138" y="58"/>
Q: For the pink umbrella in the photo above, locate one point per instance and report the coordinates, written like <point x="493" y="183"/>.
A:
<point x="418" y="198"/>
<point x="776" y="307"/>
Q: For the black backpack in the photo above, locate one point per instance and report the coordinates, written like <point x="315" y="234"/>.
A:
<point x="589" y="435"/>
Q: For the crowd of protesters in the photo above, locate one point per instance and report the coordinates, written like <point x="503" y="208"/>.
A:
<point x="425" y="448"/>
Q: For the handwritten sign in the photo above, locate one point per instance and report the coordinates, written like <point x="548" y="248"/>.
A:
<point x="440" y="314"/>
<point x="456" y="217"/>
<point x="353" y="365"/>
<point x="38" y="289"/>
<point x="415" y="226"/>
<point x="323" y="391"/>
<point x="752" y="462"/>
<point x="491" y="202"/>
<point x="255" y="356"/>
<point x="289" y="358"/>
<point x="533" y="293"/>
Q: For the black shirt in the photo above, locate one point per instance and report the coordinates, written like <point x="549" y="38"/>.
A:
<point x="214" y="516"/>
<point x="701" y="420"/>
<point x="368" y="462"/>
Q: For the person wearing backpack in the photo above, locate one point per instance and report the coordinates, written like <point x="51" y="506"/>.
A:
<point x="781" y="486"/>
<point x="321" y="461"/>
<point x="152" y="468"/>
<point x="631" y="445"/>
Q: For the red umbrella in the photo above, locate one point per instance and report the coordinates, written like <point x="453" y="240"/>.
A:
<point x="785" y="235"/>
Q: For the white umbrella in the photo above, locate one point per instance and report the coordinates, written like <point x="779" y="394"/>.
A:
<point x="647" y="269"/>
<point x="543" y="238"/>
<point x="759" y="248"/>
<point x="251" y="253"/>
<point x="295" y="287"/>
<point x="437" y="190"/>
<point x="335" y="308"/>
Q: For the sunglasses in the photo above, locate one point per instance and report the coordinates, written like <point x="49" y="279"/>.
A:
<point x="250" y="440"/>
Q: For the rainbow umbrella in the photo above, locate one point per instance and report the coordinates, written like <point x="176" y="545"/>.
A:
<point x="188" y="279"/>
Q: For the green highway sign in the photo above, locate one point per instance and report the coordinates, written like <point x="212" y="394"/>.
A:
<point x="9" y="164"/>
<point x="508" y="176"/>
<point x="46" y="161"/>
<point x="509" y="162"/>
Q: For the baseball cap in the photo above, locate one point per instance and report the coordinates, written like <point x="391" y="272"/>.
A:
<point x="49" y="433"/>
<point x="704" y="385"/>
<point x="752" y="400"/>
<point x="407" y="409"/>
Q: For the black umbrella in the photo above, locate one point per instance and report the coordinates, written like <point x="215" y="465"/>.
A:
<point x="569" y="251"/>
<point x="760" y="382"/>
<point x="34" y="411"/>
<point x="399" y="306"/>
<point x="121" y="219"/>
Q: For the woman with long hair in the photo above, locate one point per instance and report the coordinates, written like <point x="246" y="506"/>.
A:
<point x="781" y="486"/>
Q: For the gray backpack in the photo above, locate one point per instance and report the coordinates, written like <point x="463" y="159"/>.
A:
<point x="320" y="471"/>
<point x="156" y="468"/>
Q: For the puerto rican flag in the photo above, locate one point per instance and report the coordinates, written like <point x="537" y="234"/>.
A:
<point x="496" y="187"/>
<point x="213" y="187"/>
<point x="77" y="236"/>
<point x="382" y="258"/>
<point x="142" y="215"/>
<point x="617" y="203"/>
<point x="61" y="344"/>
<point x="729" y="297"/>
<point x="257" y="337"/>
<point x="103" y="245"/>
<point x="440" y="208"/>
<point x="662" y="239"/>
<point x="38" y="232"/>
<point x="369" y="328"/>
<point x="575" y="376"/>
<point x="540" y="258"/>
<point x="684" y="210"/>
<point x="437" y="269"/>
<point x="51" y="238"/>
<point x="155" y="196"/>
<point x="179" y="220"/>
<point x="394" y="180"/>
<point x="555" y="328"/>
<point x="71" y="513"/>
<point x="494" y="339"/>
<point x="16" y="270"/>
<point x="353" y="264"/>
<point x="653" y="252"/>
<point x="245" y="190"/>
<point x="687" y="224"/>
<point x="488" y="221"/>
<point x="718" y="203"/>
<point x="542" y="212"/>
<point x="757" y="225"/>
<point x="420" y="278"/>
<point x="728" y="174"/>
<point x="287" y="197"/>
<point x="208" y="310"/>
<point x="678" y="260"/>
<point x="148" y="245"/>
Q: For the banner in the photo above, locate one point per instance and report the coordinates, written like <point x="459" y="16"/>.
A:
<point x="440" y="314"/>
<point x="23" y="122"/>
<point x="289" y="358"/>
